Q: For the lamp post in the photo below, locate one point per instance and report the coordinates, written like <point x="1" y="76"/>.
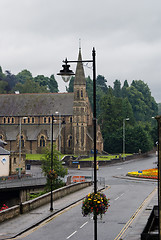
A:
<point x="19" y="166"/>
<point x="51" y="181"/>
<point x="66" y="73"/>
<point x="58" y="113"/>
<point x="125" y="119"/>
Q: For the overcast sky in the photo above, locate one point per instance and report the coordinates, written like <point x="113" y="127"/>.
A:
<point x="38" y="34"/>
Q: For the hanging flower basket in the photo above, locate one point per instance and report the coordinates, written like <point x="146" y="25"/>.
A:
<point x="52" y="174"/>
<point x="95" y="204"/>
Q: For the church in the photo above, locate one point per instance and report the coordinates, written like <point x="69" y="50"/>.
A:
<point x="28" y="118"/>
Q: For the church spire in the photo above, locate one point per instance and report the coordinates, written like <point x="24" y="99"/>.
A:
<point x="79" y="75"/>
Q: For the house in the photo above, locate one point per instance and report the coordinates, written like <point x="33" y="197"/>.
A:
<point x="27" y="118"/>
<point x="4" y="162"/>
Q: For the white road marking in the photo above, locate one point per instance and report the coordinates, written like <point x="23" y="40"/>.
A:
<point x="119" y="197"/>
<point x="83" y="224"/>
<point x="71" y="235"/>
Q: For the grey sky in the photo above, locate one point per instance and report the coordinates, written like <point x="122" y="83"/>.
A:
<point x="38" y="34"/>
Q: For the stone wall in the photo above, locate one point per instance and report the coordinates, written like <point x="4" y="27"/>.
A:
<point x="37" y="202"/>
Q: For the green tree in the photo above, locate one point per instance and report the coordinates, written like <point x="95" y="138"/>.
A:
<point x="53" y="85"/>
<point x="117" y="88"/>
<point x="30" y="87"/>
<point x="23" y="76"/>
<point x="57" y="166"/>
<point x="101" y="83"/>
<point x="138" y="138"/>
<point x="124" y="88"/>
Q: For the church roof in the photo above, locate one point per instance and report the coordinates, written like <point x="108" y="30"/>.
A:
<point x="36" y="104"/>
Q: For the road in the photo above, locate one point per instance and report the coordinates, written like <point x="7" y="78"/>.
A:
<point x="125" y="195"/>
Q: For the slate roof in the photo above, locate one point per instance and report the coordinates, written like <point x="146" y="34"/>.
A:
<point x="36" y="104"/>
<point x="31" y="131"/>
<point x="4" y="151"/>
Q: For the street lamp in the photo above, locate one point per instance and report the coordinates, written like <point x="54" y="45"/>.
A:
<point x="19" y="166"/>
<point x="66" y="73"/>
<point x="58" y="113"/>
<point x="125" y="119"/>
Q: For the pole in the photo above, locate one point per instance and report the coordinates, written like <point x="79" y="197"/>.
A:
<point x="124" y="139"/>
<point x="51" y="181"/>
<point x="59" y="134"/>
<point x="94" y="133"/>
<point x="19" y="168"/>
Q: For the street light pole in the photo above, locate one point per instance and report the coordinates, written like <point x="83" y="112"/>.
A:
<point x="66" y="73"/>
<point x="125" y="119"/>
<point x="59" y="133"/>
<point x="51" y="181"/>
<point x="20" y="130"/>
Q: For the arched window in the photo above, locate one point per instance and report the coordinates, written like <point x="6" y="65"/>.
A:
<point x="22" y="142"/>
<point x="70" y="141"/>
<point x="12" y="120"/>
<point x="42" y="141"/>
<point x="4" y="120"/>
<point x="81" y="93"/>
<point x="8" y="120"/>
<point x="44" y="119"/>
<point x="77" y="93"/>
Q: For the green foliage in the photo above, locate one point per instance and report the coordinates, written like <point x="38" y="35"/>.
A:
<point x="57" y="166"/>
<point x="30" y="87"/>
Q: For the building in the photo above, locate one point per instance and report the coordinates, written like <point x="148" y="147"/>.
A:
<point x="29" y="116"/>
<point x="4" y="160"/>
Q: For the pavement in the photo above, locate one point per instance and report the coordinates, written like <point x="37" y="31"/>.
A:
<point x="131" y="231"/>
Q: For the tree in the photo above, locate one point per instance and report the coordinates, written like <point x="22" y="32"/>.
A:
<point x="117" y="88"/>
<point x="11" y="81"/>
<point x="101" y="83"/>
<point x="30" y="87"/>
<point x="57" y="166"/>
<point x="23" y="76"/>
<point x="124" y="88"/>
<point x="53" y="85"/>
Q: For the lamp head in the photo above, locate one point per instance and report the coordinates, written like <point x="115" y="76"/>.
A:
<point x="66" y="73"/>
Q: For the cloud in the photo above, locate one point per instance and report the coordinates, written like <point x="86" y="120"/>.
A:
<point x="37" y="35"/>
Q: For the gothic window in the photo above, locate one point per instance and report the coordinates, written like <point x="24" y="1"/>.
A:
<point x="81" y="93"/>
<point x="42" y="141"/>
<point x="44" y="119"/>
<point x="22" y="141"/>
<point x="49" y="120"/>
<point x="70" y="142"/>
<point x="77" y="93"/>
<point x="12" y="120"/>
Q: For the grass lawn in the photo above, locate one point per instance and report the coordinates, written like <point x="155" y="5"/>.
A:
<point x="104" y="157"/>
<point x="34" y="156"/>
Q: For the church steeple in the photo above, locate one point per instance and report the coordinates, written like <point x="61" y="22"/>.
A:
<point x="79" y="75"/>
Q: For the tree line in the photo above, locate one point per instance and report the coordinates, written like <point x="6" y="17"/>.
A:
<point x="117" y="103"/>
<point x="24" y="82"/>
<point x="114" y="104"/>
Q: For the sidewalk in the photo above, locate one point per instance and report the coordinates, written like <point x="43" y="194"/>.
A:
<point x="18" y="225"/>
<point x="24" y="222"/>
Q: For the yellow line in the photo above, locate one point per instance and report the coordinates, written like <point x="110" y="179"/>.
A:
<point x="134" y="216"/>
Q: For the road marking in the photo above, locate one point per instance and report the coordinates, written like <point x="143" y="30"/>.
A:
<point x="83" y="225"/>
<point x="127" y="225"/>
<point x="71" y="235"/>
<point x="119" y="197"/>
